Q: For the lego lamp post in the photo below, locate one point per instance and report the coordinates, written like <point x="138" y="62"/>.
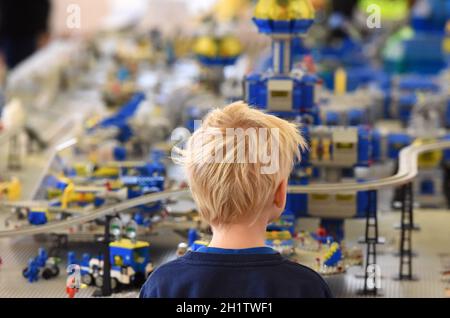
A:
<point x="106" y="289"/>
<point x="114" y="227"/>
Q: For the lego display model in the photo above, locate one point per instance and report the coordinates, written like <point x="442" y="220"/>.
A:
<point x="113" y="173"/>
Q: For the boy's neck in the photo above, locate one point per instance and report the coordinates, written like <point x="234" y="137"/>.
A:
<point x="239" y="236"/>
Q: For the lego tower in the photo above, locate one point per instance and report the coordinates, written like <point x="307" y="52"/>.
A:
<point x="283" y="90"/>
<point x="336" y="152"/>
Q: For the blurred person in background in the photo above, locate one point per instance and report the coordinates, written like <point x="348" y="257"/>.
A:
<point x="23" y="29"/>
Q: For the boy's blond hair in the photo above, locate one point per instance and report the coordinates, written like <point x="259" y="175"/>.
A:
<point x="232" y="190"/>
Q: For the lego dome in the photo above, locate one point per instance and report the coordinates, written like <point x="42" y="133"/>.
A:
<point x="205" y="46"/>
<point x="217" y="50"/>
<point x="229" y="47"/>
<point x="284" y="16"/>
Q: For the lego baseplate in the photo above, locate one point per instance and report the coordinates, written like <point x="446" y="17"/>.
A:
<point x="430" y="244"/>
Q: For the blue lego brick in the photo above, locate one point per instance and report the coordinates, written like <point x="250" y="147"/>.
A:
<point x="362" y="200"/>
<point x="268" y="26"/>
<point x="119" y="153"/>
<point x="256" y="92"/>
<point x="307" y="83"/>
<point x="363" y="146"/>
<point x="395" y="142"/>
<point x="297" y="203"/>
<point x="427" y="187"/>
<point x="332" y="118"/>
<point x="355" y="117"/>
<point x="412" y="83"/>
<point x="387" y="103"/>
<point x="252" y="89"/>
<point x="99" y="201"/>
<point x="217" y="60"/>
<point x="125" y="133"/>
<point x="405" y="105"/>
<point x="298" y="49"/>
<point x="37" y="218"/>
<point x="446" y="152"/>
<point x="436" y="18"/>
<point x="376" y="145"/>
<point x="447" y="115"/>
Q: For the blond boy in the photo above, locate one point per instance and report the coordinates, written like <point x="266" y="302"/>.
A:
<point x="238" y="163"/>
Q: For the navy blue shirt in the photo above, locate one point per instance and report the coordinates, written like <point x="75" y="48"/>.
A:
<point x="222" y="273"/>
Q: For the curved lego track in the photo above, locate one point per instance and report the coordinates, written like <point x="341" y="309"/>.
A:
<point x="407" y="171"/>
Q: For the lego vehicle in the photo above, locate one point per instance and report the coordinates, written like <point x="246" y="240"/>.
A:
<point x="130" y="265"/>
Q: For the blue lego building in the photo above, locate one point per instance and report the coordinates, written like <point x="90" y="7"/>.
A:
<point x="281" y="91"/>
<point x="419" y="48"/>
<point x="288" y="92"/>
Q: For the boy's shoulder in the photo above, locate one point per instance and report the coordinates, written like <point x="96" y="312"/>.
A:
<point x="278" y="267"/>
<point x="304" y="270"/>
<point x="195" y="268"/>
<point x="159" y="277"/>
<point x="309" y="279"/>
<point x="168" y="268"/>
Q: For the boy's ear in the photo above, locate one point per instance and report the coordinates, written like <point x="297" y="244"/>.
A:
<point x="280" y="194"/>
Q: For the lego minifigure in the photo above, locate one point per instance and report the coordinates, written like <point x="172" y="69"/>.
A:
<point x="42" y="257"/>
<point x="73" y="280"/>
<point x="192" y="236"/>
<point x="32" y="271"/>
<point x="181" y="249"/>
<point x="85" y="260"/>
<point x="156" y="167"/>
<point x="71" y="288"/>
<point x="71" y="258"/>
<point x="321" y="232"/>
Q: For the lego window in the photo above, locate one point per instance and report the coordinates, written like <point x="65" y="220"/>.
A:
<point x="344" y="145"/>
<point x="319" y="196"/>
<point x="279" y="93"/>
<point x="118" y="260"/>
<point x="139" y="255"/>
<point x="344" y="197"/>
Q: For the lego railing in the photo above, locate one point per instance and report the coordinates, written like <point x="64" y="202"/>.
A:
<point x="408" y="168"/>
